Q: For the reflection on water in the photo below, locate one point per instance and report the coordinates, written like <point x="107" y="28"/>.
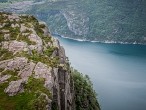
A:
<point x="117" y="71"/>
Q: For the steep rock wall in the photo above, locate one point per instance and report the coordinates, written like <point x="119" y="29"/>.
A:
<point x="35" y="73"/>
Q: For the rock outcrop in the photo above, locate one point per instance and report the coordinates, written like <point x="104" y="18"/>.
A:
<point x="33" y="64"/>
<point x="15" y="87"/>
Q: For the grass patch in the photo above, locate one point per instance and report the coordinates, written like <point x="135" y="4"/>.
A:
<point x="42" y="26"/>
<point x="18" y="102"/>
<point x="54" y="62"/>
<point x="47" y="39"/>
<point x="14" y="73"/>
<point x="49" y="51"/>
<point x="26" y="39"/>
<point x="34" y="85"/>
<point x="38" y="57"/>
<point x="2" y="18"/>
<point x="14" y="33"/>
<point x="10" y="72"/>
<point x="5" y="54"/>
<point x="1" y="69"/>
<point x="31" y="99"/>
<point x="1" y="37"/>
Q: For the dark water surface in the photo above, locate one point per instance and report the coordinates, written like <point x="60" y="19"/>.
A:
<point x="117" y="71"/>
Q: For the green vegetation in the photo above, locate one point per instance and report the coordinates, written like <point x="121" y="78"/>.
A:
<point x="85" y="96"/>
<point x="1" y="37"/>
<point x="113" y="20"/>
<point x="13" y="74"/>
<point x="39" y="58"/>
<point x="13" y="103"/>
<point x="44" y="58"/>
<point x="26" y="39"/>
<point x="34" y="85"/>
<point x="49" y="51"/>
<point x="5" y="54"/>
<point x="31" y="99"/>
<point x="1" y="69"/>
<point x="18" y="102"/>
<point x="39" y="103"/>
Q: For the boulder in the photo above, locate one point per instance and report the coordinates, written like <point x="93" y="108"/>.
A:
<point x="4" y="63"/>
<point x="4" y="78"/>
<point x="56" y="43"/>
<point x="45" y="29"/>
<point x="38" y="40"/>
<point x="6" y="36"/>
<point x="15" y="87"/>
<point x="16" y="46"/>
<point x="13" y="17"/>
<point x="27" y="70"/>
<point x="17" y="63"/>
<point x="23" y="28"/>
<point x="5" y="45"/>
<point x="5" y="31"/>
<point x="42" y="71"/>
<point x="14" y="25"/>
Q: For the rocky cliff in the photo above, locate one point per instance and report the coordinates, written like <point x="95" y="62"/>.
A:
<point x="34" y="72"/>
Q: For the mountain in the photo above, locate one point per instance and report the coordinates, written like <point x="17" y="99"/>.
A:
<point x="35" y="73"/>
<point x="94" y="20"/>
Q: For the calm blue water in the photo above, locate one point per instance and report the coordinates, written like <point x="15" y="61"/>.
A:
<point x="117" y="71"/>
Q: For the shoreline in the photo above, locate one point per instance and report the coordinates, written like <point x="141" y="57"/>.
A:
<point x="106" y="42"/>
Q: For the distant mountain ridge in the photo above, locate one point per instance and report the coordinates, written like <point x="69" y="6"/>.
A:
<point x="95" y="20"/>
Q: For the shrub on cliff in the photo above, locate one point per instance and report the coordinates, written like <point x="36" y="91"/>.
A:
<point x="85" y="96"/>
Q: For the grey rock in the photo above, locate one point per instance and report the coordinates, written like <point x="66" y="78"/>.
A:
<point x="45" y="29"/>
<point x="13" y="17"/>
<point x="56" y="89"/>
<point x="6" y="36"/>
<point x="55" y="53"/>
<point x="15" y="25"/>
<point x="43" y="71"/>
<point x="1" y="26"/>
<point x="23" y="28"/>
<point x="27" y="70"/>
<point x="15" y="87"/>
<point x="25" y="34"/>
<point x="5" y="45"/>
<point x="4" y="63"/>
<point x="56" y="42"/>
<point x="62" y="55"/>
<point x="38" y="40"/>
<point x="4" y="31"/>
<point x="17" y="63"/>
<point x="4" y="78"/>
<point x="16" y="46"/>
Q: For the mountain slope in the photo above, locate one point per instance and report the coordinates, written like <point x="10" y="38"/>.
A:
<point x="100" y="20"/>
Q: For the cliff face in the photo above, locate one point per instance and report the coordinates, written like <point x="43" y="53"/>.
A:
<point x="29" y="53"/>
<point x="34" y="72"/>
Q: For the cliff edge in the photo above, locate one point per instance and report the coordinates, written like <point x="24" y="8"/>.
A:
<point x="35" y="73"/>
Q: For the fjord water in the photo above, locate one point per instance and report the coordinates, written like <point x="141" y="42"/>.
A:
<point x="118" y="72"/>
